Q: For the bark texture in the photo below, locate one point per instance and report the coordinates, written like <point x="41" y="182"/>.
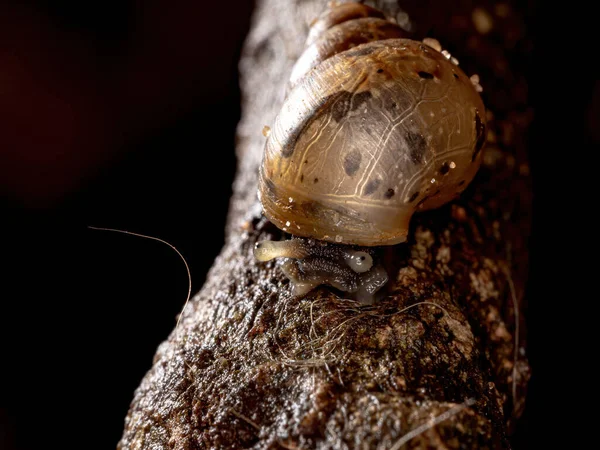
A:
<point x="436" y="363"/>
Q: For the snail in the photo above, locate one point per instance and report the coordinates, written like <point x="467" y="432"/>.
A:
<point x="374" y="128"/>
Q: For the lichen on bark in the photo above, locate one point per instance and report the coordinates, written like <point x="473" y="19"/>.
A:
<point x="251" y="366"/>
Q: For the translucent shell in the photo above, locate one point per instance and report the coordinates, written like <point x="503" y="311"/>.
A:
<point x="342" y="37"/>
<point x="340" y="13"/>
<point x="366" y="138"/>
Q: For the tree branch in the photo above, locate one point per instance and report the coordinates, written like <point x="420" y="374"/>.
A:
<point x="435" y="363"/>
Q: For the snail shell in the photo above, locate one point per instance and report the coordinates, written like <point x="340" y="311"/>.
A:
<point x="374" y="128"/>
<point x="343" y="37"/>
<point x="339" y="14"/>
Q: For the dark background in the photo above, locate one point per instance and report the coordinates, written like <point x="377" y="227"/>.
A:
<point x="122" y="115"/>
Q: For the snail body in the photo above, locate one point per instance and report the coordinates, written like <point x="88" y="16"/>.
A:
<point x="309" y="263"/>
<point x="374" y="128"/>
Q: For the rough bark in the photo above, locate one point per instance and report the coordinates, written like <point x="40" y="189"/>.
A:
<point x="250" y="366"/>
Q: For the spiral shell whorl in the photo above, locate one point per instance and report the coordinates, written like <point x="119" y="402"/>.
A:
<point x="339" y="14"/>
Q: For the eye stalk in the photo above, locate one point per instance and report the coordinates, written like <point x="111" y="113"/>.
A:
<point x="358" y="261"/>
<point x="268" y="250"/>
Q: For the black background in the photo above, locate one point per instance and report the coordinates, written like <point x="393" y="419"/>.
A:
<point x="82" y="311"/>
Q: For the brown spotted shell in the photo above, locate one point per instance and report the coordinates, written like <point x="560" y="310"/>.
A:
<point x="368" y="137"/>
